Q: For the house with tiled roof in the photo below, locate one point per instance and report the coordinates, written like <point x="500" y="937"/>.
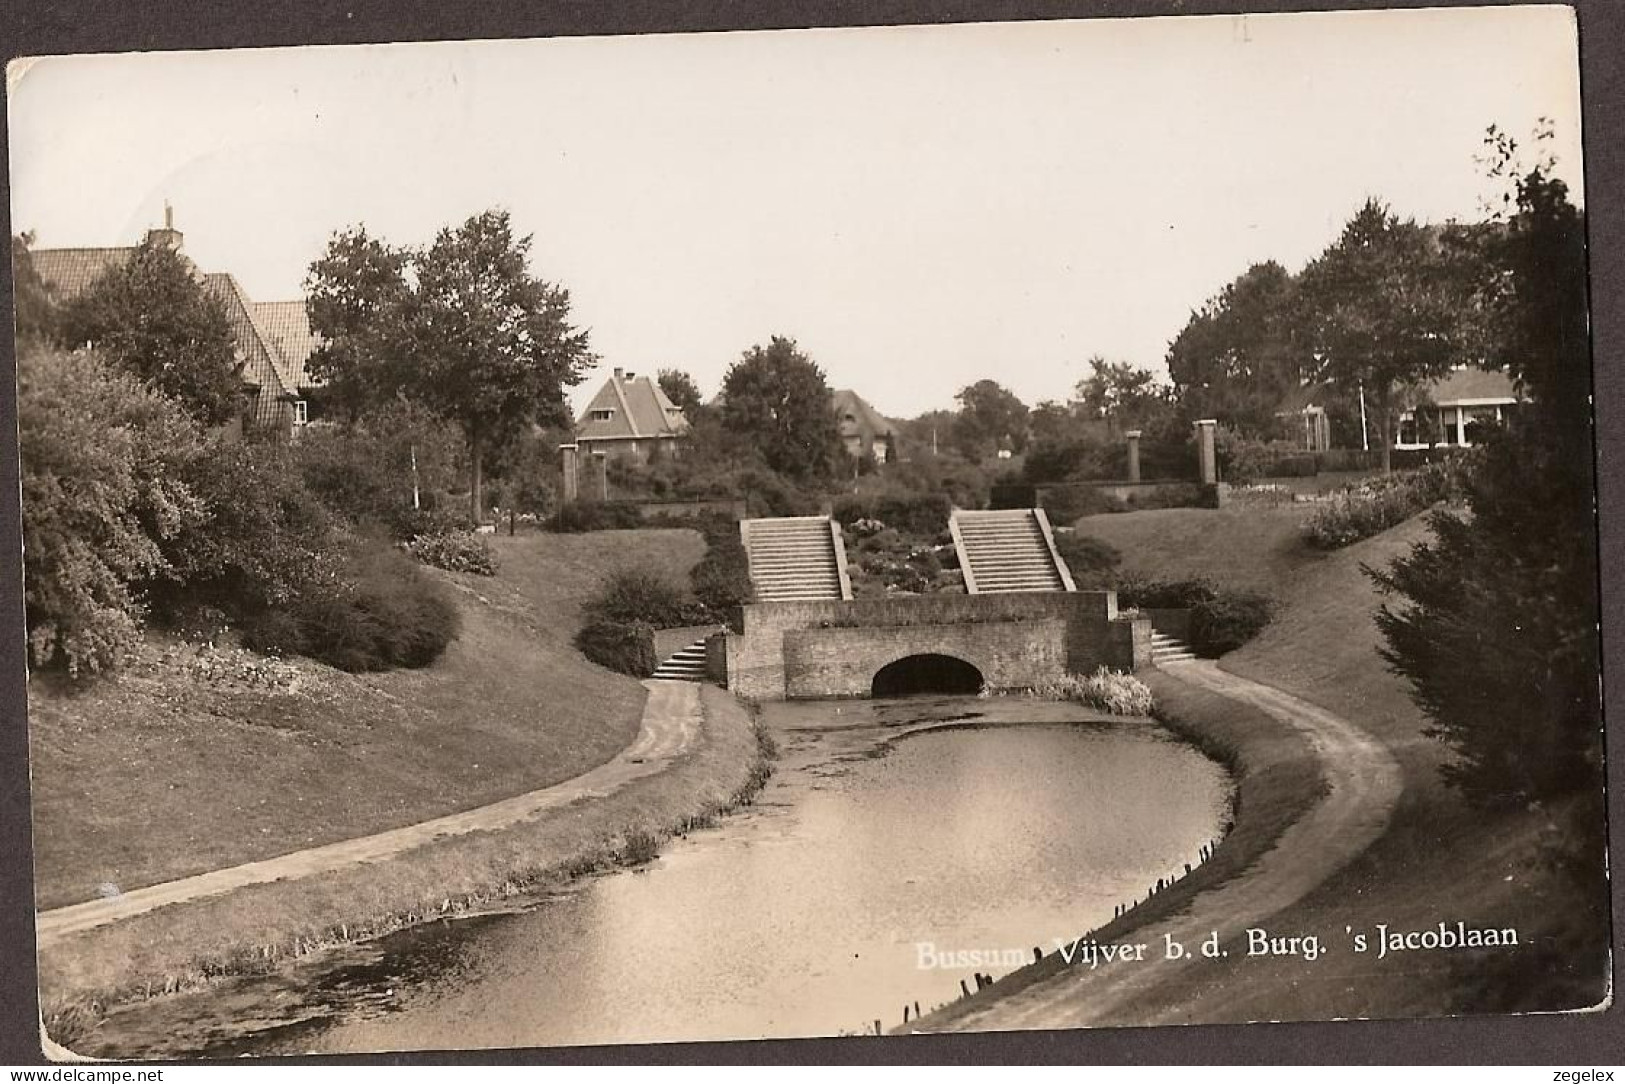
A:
<point x="1448" y="412"/>
<point x="272" y="343"/>
<point x="630" y="417"/>
<point x="863" y="430"/>
<point x="1441" y="413"/>
<point x="286" y="326"/>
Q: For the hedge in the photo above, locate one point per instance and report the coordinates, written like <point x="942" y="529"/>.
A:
<point x="627" y="647"/>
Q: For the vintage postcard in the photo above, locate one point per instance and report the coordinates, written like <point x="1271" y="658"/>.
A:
<point x="976" y="527"/>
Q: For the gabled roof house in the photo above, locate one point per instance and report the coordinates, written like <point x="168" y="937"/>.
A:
<point x="1442" y="413"/>
<point x="273" y="338"/>
<point x="863" y="430"/>
<point x="630" y="416"/>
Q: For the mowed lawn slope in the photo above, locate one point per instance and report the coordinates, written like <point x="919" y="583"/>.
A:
<point x="1438" y="861"/>
<point x="197" y="760"/>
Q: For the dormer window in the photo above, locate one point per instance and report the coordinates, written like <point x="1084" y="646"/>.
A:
<point x="603" y="414"/>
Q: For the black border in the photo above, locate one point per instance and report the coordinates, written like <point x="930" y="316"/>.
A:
<point x="35" y="27"/>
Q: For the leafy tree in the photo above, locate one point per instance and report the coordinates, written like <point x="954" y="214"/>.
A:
<point x="461" y="327"/>
<point x="1242" y="351"/>
<point x="1128" y="397"/>
<point x="681" y="390"/>
<point x="36" y="316"/>
<point x="103" y="461"/>
<point x="370" y="470"/>
<point x="1051" y="422"/>
<point x="359" y="300"/>
<point x="1384" y="305"/>
<point x="777" y="400"/>
<point x="1495" y="619"/>
<point x="990" y="416"/>
<point x="151" y="317"/>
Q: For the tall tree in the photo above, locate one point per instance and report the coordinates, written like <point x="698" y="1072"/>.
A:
<point x="1241" y="352"/>
<point x="360" y="301"/>
<point x="1494" y="621"/>
<point x="681" y="390"/>
<point x="1116" y="391"/>
<point x="777" y="399"/>
<point x="36" y="316"/>
<point x="150" y="317"/>
<point x="990" y="417"/>
<point x="1384" y="304"/>
<point x="461" y="327"/>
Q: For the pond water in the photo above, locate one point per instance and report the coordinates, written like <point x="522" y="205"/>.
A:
<point x="891" y="833"/>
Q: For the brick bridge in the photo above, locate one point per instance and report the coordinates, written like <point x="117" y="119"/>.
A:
<point x="947" y="643"/>
<point x="1020" y="622"/>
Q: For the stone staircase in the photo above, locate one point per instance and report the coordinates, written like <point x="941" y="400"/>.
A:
<point x="796" y="559"/>
<point x="1008" y="550"/>
<point x="685" y="664"/>
<point x="1165" y="648"/>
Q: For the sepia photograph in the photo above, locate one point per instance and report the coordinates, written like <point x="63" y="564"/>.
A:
<point x="865" y="531"/>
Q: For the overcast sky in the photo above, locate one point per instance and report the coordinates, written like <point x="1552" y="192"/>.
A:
<point x="920" y="207"/>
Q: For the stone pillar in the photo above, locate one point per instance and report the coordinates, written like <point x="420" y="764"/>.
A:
<point x="1205" y="453"/>
<point x="603" y="475"/>
<point x="1133" y="436"/>
<point x="569" y="467"/>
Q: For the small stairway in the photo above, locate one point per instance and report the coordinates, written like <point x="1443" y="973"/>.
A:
<point x="685" y="664"/>
<point x="1008" y="550"/>
<point x="1165" y="648"/>
<point x="796" y="559"/>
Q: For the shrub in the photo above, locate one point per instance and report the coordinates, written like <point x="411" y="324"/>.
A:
<point x="721" y="578"/>
<point x="1383" y="501"/>
<point x="580" y="516"/>
<point x="1067" y="504"/>
<point x="1092" y="561"/>
<point x="1222" y="619"/>
<point x="1187" y="495"/>
<point x="267" y="538"/>
<point x="365" y="471"/>
<point x="407" y="523"/>
<point x="635" y="595"/>
<point x="1228" y="620"/>
<point x="455" y="551"/>
<point x="767" y="493"/>
<point x="1149" y="594"/>
<point x="625" y="647"/>
<point x="922" y="514"/>
<point x="386" y="614"/>
<point x="1107" y="690"/>
<point x="102" y="465"/>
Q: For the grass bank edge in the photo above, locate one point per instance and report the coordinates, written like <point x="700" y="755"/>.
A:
<point x="184" y="947"/>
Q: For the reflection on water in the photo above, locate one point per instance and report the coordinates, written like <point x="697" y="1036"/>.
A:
<point x="803" y="916"/>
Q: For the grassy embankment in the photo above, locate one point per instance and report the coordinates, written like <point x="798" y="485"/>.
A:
<point x="198" y="761"/>
<point x="1437" y="861"/>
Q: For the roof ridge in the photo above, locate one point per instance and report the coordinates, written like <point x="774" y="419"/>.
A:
<point x="626" y="407"/>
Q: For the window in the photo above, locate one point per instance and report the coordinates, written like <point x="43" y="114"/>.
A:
<point x="301" y="412"/>
<point x="603" y="415"/>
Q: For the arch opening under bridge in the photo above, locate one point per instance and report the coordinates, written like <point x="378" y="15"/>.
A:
<point x="926" y="673"/>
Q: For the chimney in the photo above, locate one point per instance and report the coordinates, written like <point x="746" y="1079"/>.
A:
<point x="619" y="375"/>
<point x="168" y="236"/>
